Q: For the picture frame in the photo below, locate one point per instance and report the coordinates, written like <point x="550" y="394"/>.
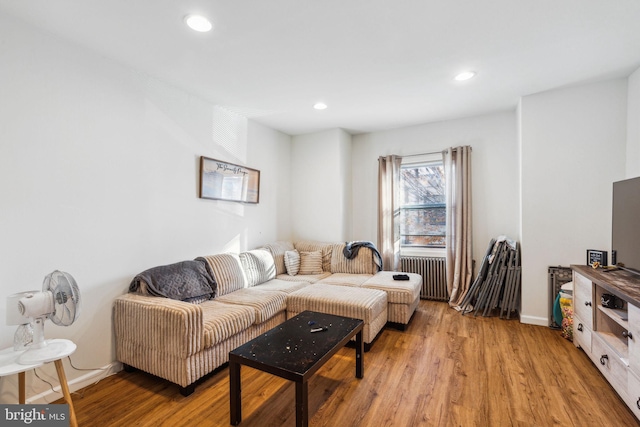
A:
<point x="220" y="180"/>
<point x="594" y="255"/>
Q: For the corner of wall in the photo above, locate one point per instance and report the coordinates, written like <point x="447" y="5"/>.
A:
<point x="321" y="185"/>
<point x="632" y="166"/>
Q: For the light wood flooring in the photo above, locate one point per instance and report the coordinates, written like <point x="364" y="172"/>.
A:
<point x="444" y="370"/>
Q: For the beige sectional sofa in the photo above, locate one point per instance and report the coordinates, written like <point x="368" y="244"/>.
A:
<point x="184" y="341"/>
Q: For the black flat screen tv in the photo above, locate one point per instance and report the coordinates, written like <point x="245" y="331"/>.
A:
<point x="625" y="239"/>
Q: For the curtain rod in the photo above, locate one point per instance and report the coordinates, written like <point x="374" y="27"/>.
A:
<point x="421" y="154"/>
<point x="427" y="154"/>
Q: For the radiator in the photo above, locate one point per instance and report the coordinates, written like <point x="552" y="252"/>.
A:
<point x="433" y="272"/>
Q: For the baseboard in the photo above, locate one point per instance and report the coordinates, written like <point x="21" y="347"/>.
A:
<point x="534" y="320"/>
<point x="91" y="377"/>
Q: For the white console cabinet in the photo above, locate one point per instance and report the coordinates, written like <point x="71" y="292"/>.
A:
<point x="610" y="335"/>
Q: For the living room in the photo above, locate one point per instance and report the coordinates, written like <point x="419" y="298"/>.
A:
<point x="99" y="166"/>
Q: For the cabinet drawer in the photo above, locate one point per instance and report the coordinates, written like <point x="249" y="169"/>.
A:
<point x="634" y="339"/>
<point x="610" y="364"/>
<point x="581" y="335"/>
<point x="633" y="400"/>
<point x="583" y="299"/>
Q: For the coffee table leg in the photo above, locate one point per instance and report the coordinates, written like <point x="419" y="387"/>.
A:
<point x="235" y="393"/>
<point x="302" y="404"/>
<point x="359" y="355"/>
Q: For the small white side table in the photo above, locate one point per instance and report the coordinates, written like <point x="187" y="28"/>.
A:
<point x="9" y="366"/>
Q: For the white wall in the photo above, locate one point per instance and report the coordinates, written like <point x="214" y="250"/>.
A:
<point x="633" y="126"/>
<point x="321" y="186"/>
<point x="572" y="149"/>
<point x="99" y="178"/>
<point x="494" y="141"/>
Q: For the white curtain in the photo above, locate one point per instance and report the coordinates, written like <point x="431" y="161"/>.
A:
<point x="389" y="211"/>
<point x="457" y="167"/>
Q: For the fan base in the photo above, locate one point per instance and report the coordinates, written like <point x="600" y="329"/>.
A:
<point x="52" y="350"/>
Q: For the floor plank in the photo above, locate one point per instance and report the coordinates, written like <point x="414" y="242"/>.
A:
<point x="444" y="370"/>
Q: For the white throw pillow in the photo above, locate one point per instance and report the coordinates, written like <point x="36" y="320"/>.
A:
<point x="258" y="266"/>
<point x="292" y="262"/>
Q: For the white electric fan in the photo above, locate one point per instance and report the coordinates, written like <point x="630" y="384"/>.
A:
<point x="59" y="301"/>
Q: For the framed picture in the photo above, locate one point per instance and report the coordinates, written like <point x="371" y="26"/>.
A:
<point x="221" y="180"/>
<point x="594" y="255"/>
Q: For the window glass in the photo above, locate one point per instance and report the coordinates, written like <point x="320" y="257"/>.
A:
<point x="422" y="205"/>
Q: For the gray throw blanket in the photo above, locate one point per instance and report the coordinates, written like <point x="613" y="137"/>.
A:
<point x="190" y="281"/>
<point x="351" y="249"/>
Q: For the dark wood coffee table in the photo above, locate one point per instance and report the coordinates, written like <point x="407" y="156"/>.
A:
<point x="291" y="351"/>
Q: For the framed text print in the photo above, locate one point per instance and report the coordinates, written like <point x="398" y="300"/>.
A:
<point x="227" y="181"/>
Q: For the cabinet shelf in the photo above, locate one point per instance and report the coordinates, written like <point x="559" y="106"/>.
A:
<point x="621" y="317"/>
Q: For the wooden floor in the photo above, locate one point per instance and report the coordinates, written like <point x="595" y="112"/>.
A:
<point x="444" y="370"/>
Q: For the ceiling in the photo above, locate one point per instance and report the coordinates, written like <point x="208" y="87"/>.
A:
<point x="378" y="64"/>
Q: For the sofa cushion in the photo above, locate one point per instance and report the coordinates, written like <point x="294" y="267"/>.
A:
<point x="227" y="271"/>
<point x="265" y="303"/>
<point x="222" y="321"/>
<point x="363" y="263"/>
<point x="398" y="291"/>
<point x="258" y="266"/>
<point x="309" y="278"/>
<point x="325" y="248"/>
<point x="292" y="262"/>
<point x="280" y="285"/>
<point x="310" y="263"/>
<point x="365" y="304"/>
<point x="346" y="279"/>
<point x="277" y="250"/>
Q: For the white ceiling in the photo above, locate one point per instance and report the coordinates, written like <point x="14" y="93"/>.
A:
<point x="378" y="64"/>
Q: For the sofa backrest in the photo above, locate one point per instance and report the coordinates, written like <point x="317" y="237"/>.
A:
<point x="227" y="271"/>
<point x="363" y="263"/>
<point x="333" y="259"/>
<point x="258" y="266"/>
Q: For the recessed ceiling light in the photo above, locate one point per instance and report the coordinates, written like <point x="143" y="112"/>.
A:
<point x="198" y="23"/>
<point x="465" y="75"/>
<point x="320" y="106"/>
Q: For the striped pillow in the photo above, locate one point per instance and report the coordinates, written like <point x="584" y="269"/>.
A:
<point x="324" y="248"/>
<point x="277" y="250"/>
<point x="258" y="266"/>
<point x="292" y="262"/>
<point x="310" y="262"/>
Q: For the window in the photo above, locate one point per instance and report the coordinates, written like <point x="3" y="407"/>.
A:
<point x="422" y="205"/>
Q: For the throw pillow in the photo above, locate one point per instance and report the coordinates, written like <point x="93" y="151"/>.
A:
<point x="311" y="246"/>
<point x="292" y="262"/>
<point x="310" y="262"/>
<point x="277" y="250"/>
<point x="258" y="266"/>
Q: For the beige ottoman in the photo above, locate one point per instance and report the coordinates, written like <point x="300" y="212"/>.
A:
<point x="403" y="295"/>
<point x="369" y="305"/>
